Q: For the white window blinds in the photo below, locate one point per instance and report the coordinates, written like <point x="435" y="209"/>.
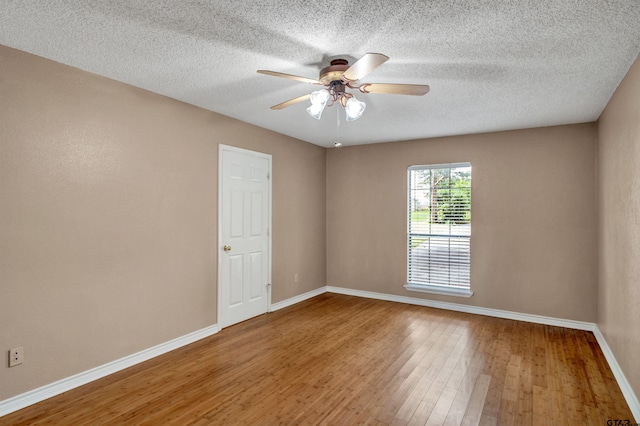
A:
<point x="439" y="225"/>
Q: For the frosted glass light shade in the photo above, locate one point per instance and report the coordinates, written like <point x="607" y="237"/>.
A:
<point x="354" y="109"/>
<point x="315" y="110"/>
<point x="319" y="97"/>
<point x="319" y="100"/>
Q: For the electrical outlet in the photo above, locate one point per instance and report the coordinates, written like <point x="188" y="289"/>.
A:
<point x="295" y="278"/>
<point x="16" y="356"/>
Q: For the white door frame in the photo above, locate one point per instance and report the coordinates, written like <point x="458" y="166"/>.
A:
<point x="221" y="243"/>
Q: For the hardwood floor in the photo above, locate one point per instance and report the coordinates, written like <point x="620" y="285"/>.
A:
<point x="341" y="360"/>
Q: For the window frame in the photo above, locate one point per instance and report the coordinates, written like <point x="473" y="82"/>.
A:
<point x="449" y="290"/>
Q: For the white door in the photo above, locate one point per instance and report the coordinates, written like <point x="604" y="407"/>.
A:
<point x="244" y="211"/>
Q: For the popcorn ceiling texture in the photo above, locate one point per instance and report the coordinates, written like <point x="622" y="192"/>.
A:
<point x="492" y="65"/>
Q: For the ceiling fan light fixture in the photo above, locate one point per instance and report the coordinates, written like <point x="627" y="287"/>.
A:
<point x="319" y="100"/>
<point x="339" y="76"/>
<point x="354" y="108"/>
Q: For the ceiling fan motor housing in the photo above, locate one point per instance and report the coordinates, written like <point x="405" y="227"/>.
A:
<point x="333" y="73"/>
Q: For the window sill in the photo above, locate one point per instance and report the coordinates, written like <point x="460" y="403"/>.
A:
<point x="436" y="289"/>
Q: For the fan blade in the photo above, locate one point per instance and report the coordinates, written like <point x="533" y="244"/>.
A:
<point x="364" y="66"/>
<point x="292" y="101"/>
<point x="395" y="89"/>
<point x="289" y="76"/>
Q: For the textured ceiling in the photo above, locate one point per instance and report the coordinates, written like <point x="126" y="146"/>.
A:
<point x="492" y="64"/>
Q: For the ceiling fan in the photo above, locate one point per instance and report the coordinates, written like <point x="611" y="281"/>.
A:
<point x="339" y="76"/>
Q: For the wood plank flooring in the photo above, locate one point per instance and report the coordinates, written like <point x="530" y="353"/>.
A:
<point x="342" y="360"/>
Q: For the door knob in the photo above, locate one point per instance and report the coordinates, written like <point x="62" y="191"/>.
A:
<point x="227" y="248"/>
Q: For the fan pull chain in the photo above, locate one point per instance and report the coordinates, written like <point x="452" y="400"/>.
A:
<point x="337" y="143"/>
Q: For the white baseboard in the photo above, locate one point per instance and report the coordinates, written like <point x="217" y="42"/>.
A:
<point x="539" y="319"/>
<point x="625" y="387"/>
<point x="297" y="299"/>
<point x="40" y="394"/>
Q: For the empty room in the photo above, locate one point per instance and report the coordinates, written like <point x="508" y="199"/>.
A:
<point x="337" y="213"/>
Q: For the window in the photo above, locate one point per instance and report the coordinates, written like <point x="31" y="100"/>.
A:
<point x="439" y="229"/>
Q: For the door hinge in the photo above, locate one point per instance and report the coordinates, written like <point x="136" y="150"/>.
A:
<point x="268" y="286"/>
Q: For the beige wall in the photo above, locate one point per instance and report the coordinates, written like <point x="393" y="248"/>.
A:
<point x="533" y="218"/>
<point x="108" y="217"/>
<point x="619" y="225"/>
